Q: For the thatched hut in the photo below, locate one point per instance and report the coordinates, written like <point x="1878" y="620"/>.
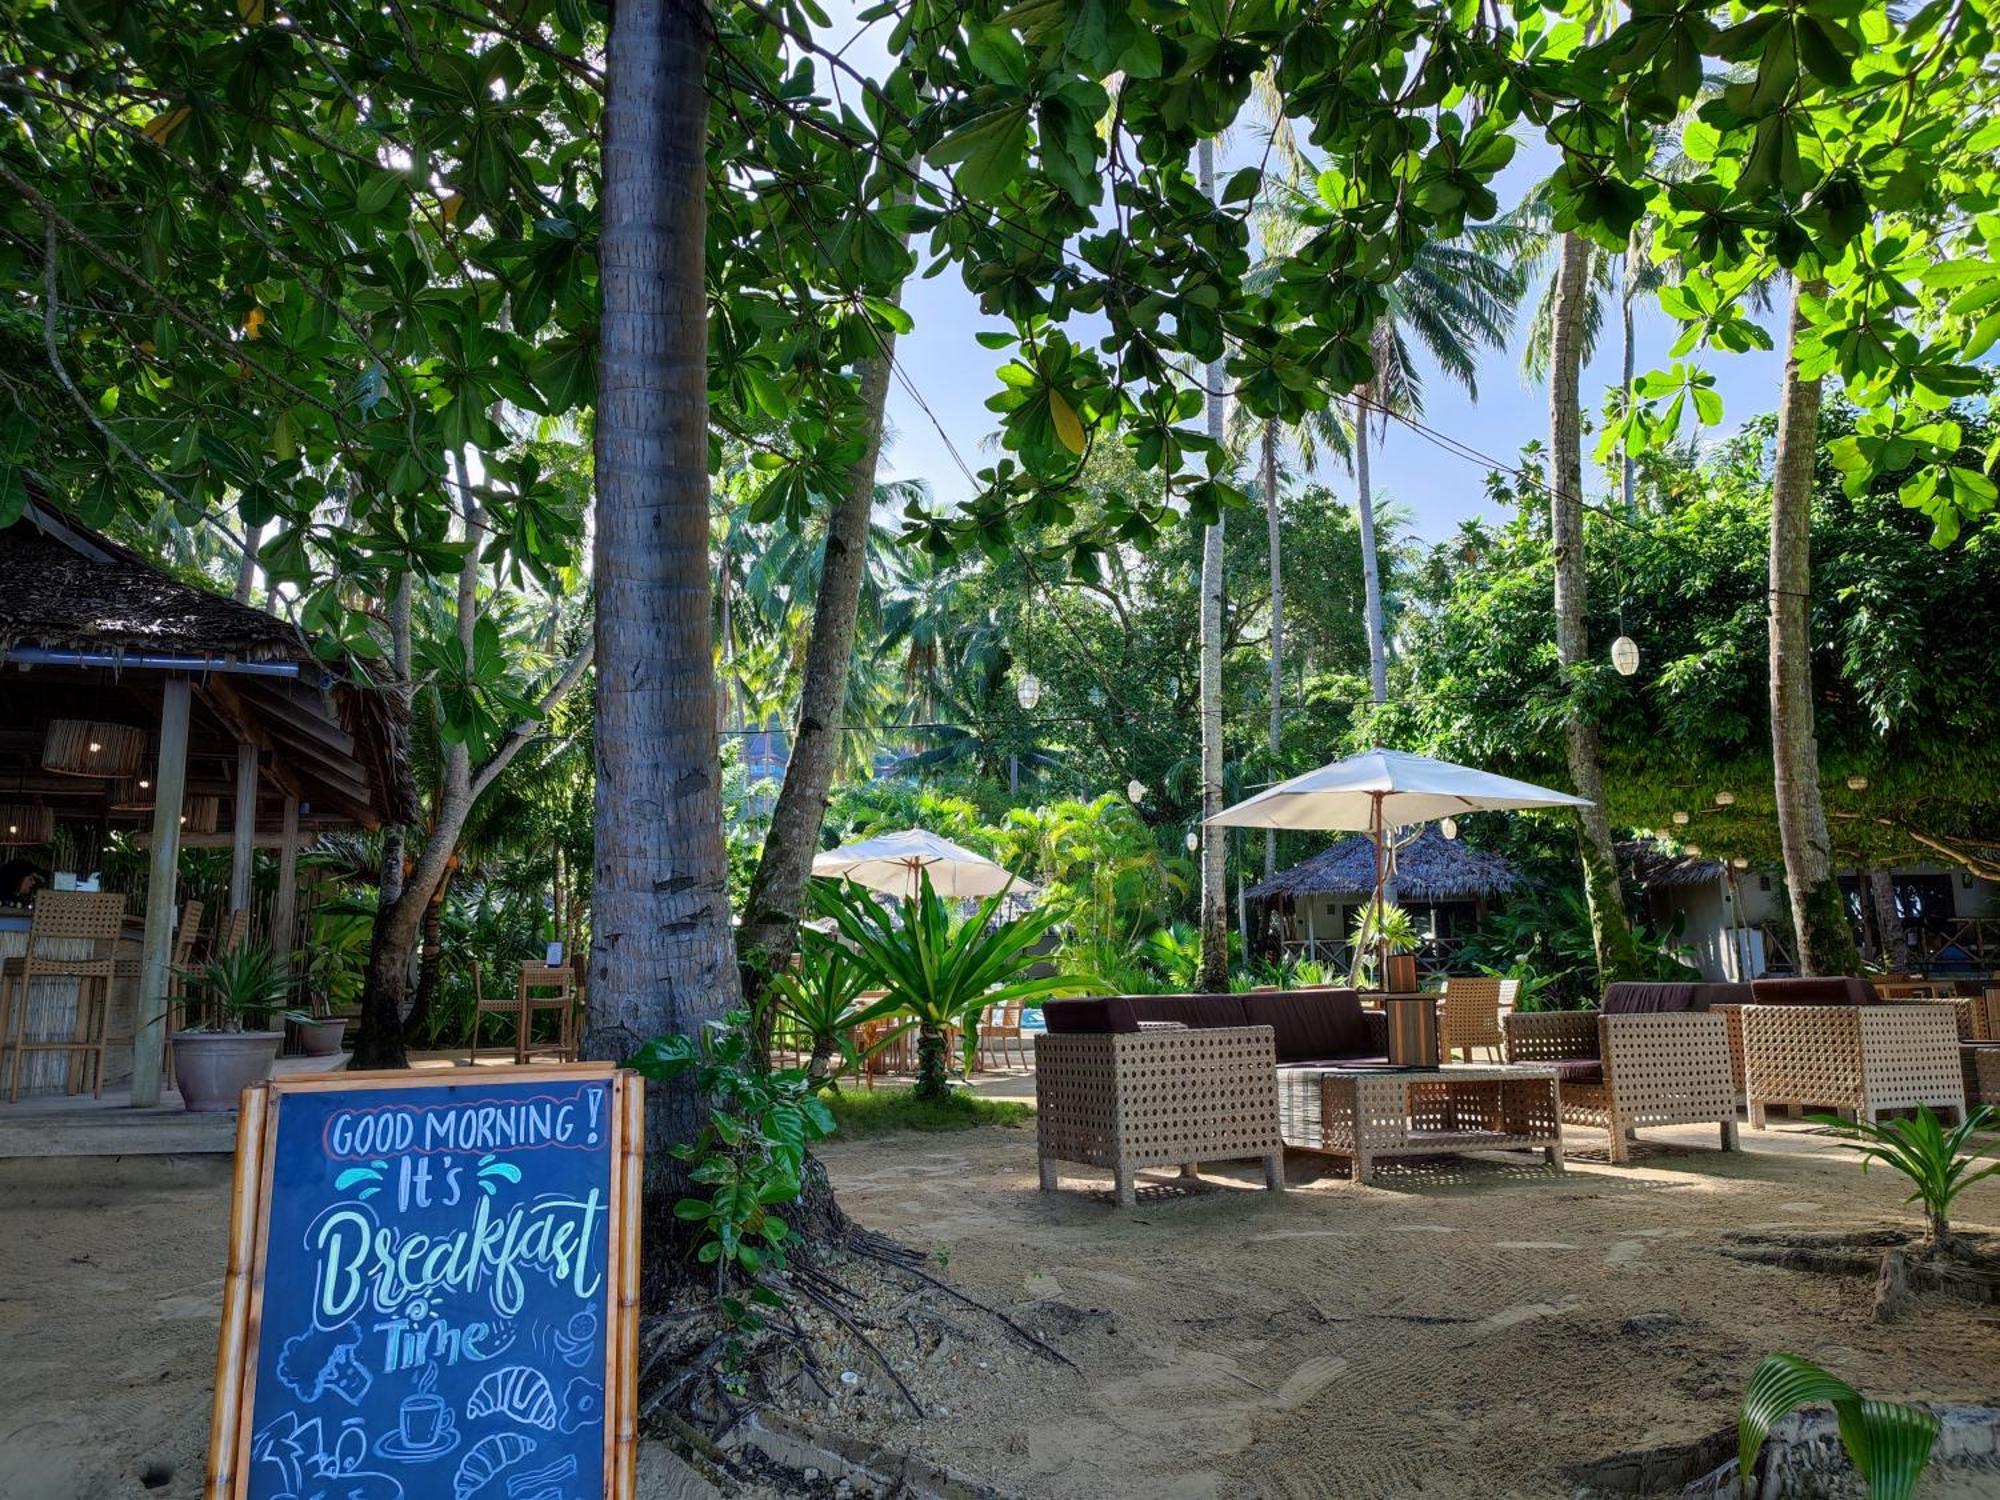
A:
<point x="1445" y="884"/>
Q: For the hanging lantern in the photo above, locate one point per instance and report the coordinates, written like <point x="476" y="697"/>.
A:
<point x="1725" y="799"/>
<point x="1193" y="841"/>
<point x="1448" y="827"/>
<point x="26" y="823"/>
<point x="1680" y="819"/>
<point x="201" y="814"/>
<point x="84" y="747"/>
<point x="1028" y="692"/>
<point x="1625" y="655"/>
<point x="1857" y="783"/>
<point x="1694" y="851"/>
<point x="1135" y="791"/>
<point x="132" y="794"/>
<point x="1740" y="863"/>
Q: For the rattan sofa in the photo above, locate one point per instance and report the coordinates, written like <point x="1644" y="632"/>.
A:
<point x="1128" y="1082"/>
<point x="1652" y="1054"/>
<point x="1828" y="1043"/>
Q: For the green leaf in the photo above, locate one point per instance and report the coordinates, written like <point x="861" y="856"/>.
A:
<point x="990" y="149"/>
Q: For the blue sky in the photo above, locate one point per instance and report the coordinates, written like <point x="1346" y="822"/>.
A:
<point x="942" y="360"/>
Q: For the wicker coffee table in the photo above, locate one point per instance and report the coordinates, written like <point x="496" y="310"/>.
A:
<point x="1365" y="1114"/>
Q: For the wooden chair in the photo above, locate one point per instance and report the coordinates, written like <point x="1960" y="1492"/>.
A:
<point x="539" y="986"/>
<point x="72" y="936"/>
<point x="1470" y="1015"/>
<point x="1000" y="1026"/>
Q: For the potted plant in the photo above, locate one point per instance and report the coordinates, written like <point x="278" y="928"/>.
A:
<point x="215" y="1057"/>
<point x="333" y="979"/>
<point x="1395" y="932"/>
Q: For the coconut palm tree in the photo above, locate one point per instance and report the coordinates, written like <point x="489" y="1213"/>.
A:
<point x="1455" y="298"/>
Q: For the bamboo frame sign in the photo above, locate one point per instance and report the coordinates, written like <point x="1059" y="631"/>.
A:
<point x="432" y="1289"/>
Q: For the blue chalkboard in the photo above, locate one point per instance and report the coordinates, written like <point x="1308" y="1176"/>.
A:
<point x="438" y="1289"/>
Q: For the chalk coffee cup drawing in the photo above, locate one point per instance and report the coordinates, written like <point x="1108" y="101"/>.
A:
<point x="424" y="1430"/>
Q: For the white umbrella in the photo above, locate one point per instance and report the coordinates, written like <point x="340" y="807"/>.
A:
<point x="1380" y="791"/>
<point x="890" y="862"/>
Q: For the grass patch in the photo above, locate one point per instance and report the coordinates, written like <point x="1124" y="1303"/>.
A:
<point x="859" y="1113"/>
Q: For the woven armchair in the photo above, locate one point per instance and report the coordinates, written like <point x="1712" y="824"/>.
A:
<point x="1856" y="1060"/>
<point x="1470" y="1014"/>
<point x="1621" y="1072"/>
<point x="1162" y="1096"/>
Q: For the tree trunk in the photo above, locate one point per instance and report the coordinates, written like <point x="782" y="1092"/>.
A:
<point x="1214" y="845"/>
<point x="770" y="930"/>
<point x="1881" y="894"/>
<point x="1610" y="929"/>
<point x="661" y="955"/>
<point x="1627" y="354"/>
<point x="1272" y="549"/>
<point x="430" y="967"/>
<point x="246" y="568"/>
<point x="933" y="1075"/>
<point x="1371" y="573"/>
<point x="1819" y="917"/>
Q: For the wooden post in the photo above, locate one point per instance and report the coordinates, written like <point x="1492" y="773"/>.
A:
<point x="241" y="855"/>
<point x="149" y="1045"/>
<point x="285" y="910"/>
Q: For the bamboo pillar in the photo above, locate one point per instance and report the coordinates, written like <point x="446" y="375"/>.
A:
<point x="285" y="909"/>
<point x="242" y="852"/>
<point x="149" y="1045"/>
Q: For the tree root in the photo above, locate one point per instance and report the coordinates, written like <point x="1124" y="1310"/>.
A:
<point x="871" y="1245"/>
<point x="1899" y="1261"/>
<point x="841" y="1316"/>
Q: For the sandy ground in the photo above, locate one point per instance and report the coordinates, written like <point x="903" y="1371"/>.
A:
<point x="1460" y="1331"/>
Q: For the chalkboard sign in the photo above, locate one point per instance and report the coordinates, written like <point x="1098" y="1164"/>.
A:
<point x="432" y="1290"/>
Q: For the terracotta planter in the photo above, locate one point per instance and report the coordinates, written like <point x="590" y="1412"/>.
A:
<point x="324" y="1039"/>
<point x="212" y="1068"/>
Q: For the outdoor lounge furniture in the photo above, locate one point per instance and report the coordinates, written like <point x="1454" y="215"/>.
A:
<point x="1981" y="1064"/>
<point x="70" y="938"/>
<point x="1135" y="1081"/>
<point x="1366" y="1114"/>
<point x="538" y="986"/>
<point x="1652" y="1054"/>
<point x="1827" y="1042"/>
<point x="1470" y="1014"/>
<point x="999" y="1028"/>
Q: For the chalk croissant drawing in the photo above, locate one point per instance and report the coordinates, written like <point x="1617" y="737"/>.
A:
<point x="519" y="1393"/>
<point x="486" y="1458"/>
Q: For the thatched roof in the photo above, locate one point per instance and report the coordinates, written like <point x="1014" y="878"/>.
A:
<point x="1429" y="868"/>
<point x="1652" y="865"/>
<point x="79" y="591"/>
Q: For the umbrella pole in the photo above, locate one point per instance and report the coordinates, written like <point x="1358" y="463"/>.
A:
<point x="1381" y="950"/>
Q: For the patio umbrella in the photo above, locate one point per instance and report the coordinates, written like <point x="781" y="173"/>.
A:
<point x="891" y="861"/>
<point x="1380" y="791"/>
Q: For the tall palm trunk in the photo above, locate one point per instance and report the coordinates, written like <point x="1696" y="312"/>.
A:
<point x="1371" y="572"/>
<point x="1881" y="894"/>
<point x="661" y="957"/>
<point x="1610" y="930"/>
<point x="246" y="567"/>
<point x="1214" y="845"/>
<point x="430" y="966"/>
<point x="770" y="930"/>
<point x="1271" y="544"/>
<point x="1826" y="942"/>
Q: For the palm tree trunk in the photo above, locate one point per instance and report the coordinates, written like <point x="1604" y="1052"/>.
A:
<point x="1371" y="573"/>
<point x="1627" y="354"/>
<point x="1895" y="945"/>
<point x="430" y="967"/>
<point x="770" y="931"/>
<point x="1610" y="930"/>
<point x="1826" y="942"/>
<point x="1271" y="546"/>
<point x="661" y="956"/>
<point x="1214" y="845"/>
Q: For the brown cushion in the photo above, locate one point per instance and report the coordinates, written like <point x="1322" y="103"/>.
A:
<point x="1835" y="990"/>
<point x="1201" y="1012"/>
<point x="1089" y="1013"/>
<point x="1630" y="997"/>
<point x="1577" y="1070"/>
<point x="1720" y="992"/>
<point x="1316" y="1023"/>
<point x="1377" y="1061"/>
